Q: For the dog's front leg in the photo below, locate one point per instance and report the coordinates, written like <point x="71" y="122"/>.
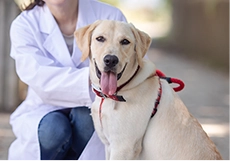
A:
<point x="125" y="150"/>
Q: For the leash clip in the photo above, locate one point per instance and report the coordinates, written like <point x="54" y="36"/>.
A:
<point x="98" y="91"/>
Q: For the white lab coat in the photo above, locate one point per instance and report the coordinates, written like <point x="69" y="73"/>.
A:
<point x="56" y="79"/>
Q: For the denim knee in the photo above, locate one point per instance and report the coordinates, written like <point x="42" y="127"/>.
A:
<point x="55" y="135"/>
<point x="83" y="127"/>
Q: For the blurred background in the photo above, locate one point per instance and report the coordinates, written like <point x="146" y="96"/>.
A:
<point x="190" y="41"/>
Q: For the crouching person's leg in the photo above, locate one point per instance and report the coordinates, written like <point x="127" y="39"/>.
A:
<point x="82" y="127"/>
<point x="55" y="136"/>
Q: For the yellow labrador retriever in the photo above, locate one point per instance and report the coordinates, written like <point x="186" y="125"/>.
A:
<point x="128" y="95"/>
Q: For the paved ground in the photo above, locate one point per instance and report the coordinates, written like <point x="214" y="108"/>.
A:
<point x="6" y="135"/>
<point x="206" y="95"/>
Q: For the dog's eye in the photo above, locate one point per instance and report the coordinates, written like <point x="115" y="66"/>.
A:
<point x="100" y="39"/>
<point x="124" y="42"/>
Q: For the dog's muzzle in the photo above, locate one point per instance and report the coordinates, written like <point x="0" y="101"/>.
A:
<point x="108" y="77"/>
<point x="109" y="69"/>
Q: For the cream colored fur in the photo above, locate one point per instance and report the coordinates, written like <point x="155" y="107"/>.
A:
<point x="126" y="128"/>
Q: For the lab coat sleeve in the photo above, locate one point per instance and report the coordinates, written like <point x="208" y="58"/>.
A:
<point x="54" y="83"/>
<point x="120" y="16"/>
<point x="108" y="12"/>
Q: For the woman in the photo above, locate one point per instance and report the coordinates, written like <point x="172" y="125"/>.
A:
<point x="54" y="121"/>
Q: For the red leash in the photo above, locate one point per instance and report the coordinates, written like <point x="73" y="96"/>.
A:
<point x="100" y="109"/>
<point x="171" y="80"/>
<point x="160" y="74"/>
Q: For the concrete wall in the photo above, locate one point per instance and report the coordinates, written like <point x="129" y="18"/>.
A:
<point x="8" y="79"/>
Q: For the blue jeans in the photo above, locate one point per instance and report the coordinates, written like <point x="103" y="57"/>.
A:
<point x="63" y="134"/>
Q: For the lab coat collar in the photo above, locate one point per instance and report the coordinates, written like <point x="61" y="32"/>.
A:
<point x="54" y="42"/>
<point x="86" y="13"/>
<point x="86" y="16"/>
<point x="49" y="26"/>
<point x="46" y="21"/>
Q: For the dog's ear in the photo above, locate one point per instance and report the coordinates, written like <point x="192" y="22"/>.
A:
<point x="83" y="38"/>
<point x="143" y="42"/>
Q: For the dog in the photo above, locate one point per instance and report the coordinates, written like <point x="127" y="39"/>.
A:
<point x="137" y="115"/>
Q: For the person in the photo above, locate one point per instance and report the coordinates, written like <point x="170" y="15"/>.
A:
<point x="54" y="121"/>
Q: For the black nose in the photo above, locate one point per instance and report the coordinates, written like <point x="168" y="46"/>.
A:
<point x="110" y="60"/>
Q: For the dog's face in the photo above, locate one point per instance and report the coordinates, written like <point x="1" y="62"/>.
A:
<point x="115" y="50"/>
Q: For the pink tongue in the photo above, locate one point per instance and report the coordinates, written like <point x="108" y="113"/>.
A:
<point x="108" y="83"/>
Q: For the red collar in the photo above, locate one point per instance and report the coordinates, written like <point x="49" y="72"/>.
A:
<point x="115" y="96"/>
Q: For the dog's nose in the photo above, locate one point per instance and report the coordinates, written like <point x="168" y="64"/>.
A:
<point x="110" y="60"/>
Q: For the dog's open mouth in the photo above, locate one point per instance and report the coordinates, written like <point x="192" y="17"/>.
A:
<point x="108" y="80"/>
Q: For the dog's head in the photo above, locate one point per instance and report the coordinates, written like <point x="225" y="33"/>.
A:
<point x="115" y="50"/>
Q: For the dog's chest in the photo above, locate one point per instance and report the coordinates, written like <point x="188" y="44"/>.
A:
<point x="136" y="110"/>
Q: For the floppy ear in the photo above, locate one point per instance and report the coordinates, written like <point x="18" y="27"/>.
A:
<point x="143" y="42"/>
<point x="83" y="38"/>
